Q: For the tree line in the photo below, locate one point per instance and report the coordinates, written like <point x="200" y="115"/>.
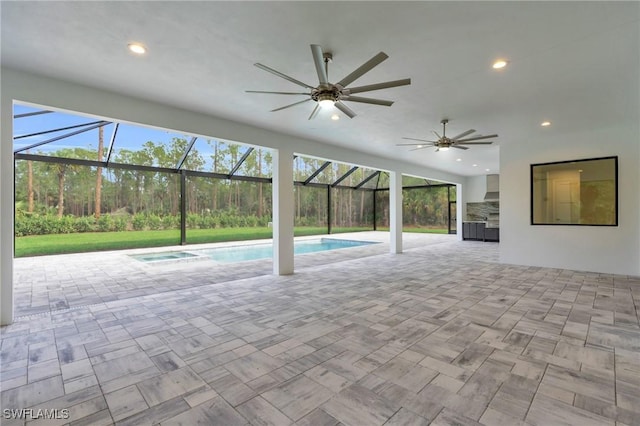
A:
<point x="63" y="197"/>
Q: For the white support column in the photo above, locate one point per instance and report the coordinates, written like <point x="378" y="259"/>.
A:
<point x="460" y="200"/>
<point x="6" y="211"/>
<point x="283" y="206"/>
<point x="395" y="211"/>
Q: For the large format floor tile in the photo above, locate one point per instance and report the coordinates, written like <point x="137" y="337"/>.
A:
<point x="442" y="334"/>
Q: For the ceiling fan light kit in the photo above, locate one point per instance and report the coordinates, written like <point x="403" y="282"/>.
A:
<point x="443" y="143"/>
<point x="325" y="99"/>
<point x="328" y="94"/>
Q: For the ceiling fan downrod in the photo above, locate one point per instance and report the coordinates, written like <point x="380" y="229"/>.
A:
<point x="444" y="123"/>
<point x="328" y="57"/>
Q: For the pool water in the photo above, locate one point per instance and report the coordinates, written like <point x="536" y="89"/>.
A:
<point x="167" y="255"/>
<point x="251" y="252"/>
<point x="262" y="251"/>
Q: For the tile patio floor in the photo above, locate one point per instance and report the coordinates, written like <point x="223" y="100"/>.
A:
<point x="442" y="334"/>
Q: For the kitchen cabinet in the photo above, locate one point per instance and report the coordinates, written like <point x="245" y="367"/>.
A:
<point x="492" y="234"/>
<point x="473" y="231"/>
<point x="478" y="231"/>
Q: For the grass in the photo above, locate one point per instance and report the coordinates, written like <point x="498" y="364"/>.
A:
<point x="419" y="230"/>
<point x="38" y="245"/>
<point x="427" y="230"/>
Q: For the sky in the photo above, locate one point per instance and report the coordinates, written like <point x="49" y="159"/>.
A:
<point x="129" y="137"/>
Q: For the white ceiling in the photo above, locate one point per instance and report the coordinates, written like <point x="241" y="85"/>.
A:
<point x="572" y="63"/>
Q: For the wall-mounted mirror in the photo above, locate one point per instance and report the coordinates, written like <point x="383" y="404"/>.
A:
<point x="578" y="192"/>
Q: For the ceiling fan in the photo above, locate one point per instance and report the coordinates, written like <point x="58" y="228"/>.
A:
<point x="444" y="143"/>
<point x="327" y="94"/>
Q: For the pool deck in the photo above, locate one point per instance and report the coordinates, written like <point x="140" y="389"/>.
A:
<point x="52" y="283"/>
<point x="441" y="334"/>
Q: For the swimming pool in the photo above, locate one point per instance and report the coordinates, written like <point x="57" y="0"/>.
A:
<point x="249" y="252"/>
<point x="166" y="255"/>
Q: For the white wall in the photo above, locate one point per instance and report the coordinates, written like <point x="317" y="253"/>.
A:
<point x="476" y="189"/>
<point x="474" y="192"/>
<point x="588" y="248"/>
<point x="6" y="210"/>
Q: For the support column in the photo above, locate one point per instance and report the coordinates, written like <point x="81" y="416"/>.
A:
<point x="283" y="207"/>
<point x="395" y="212"/>
<point x="6" y="211"/>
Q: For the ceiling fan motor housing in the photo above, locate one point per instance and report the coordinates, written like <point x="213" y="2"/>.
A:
<point x="325" y="93"/>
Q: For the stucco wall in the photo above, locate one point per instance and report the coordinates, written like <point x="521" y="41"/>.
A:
<point x="609" y="249"/>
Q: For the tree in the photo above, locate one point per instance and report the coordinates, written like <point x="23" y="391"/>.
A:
<point x="233" y="160"/>
<point x="215" y="159"/>
<point x="61" y="171"/>
<point x="30" y="185"/>
<point x="99" y="173"/>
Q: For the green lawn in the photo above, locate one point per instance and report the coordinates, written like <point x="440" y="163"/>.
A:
<point x="38" y="245"/>
<point x="419" y="230"/>
<point x="427" y="230"/>
<point x="99" y="241"/>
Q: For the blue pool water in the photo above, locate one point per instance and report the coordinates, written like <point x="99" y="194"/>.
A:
<point x="253" y="251"/>
<point x="262" y="251"/>
<point x="167" y="255"/>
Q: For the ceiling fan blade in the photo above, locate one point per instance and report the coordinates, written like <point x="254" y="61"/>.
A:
<point x="422" y="147"/>
<point x="367" y="100"/>
<point x="437" y="135"/>
<point x="459" y="147"/>
<point x="421" y="140"/>
<point x="278" y="93"/>
<point x="345" y="109"/>
<point x="475" y="143"/>
<point x="363" y="69"/>
<point x="463" y="134"/>
<point x="318" y="60"/>
<point x="314" y="112"/>
<point x="286" y="77"/>
<point x="378" y="86"/>
<point x="290" y="105"/>
<point x="414" y="144"/>
<point x="475" y="138"/>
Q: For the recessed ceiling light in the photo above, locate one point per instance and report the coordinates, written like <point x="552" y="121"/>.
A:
<point x="475" y="165"/>
<point x="500" y="63"/>
<point x="545" y="123"/>
<point x="488" y="170"/>
<point x="458" y="159"/>
<point x="335" y="117"/>
<point x="420" y="146"/>
<point x="137" y="48"/>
